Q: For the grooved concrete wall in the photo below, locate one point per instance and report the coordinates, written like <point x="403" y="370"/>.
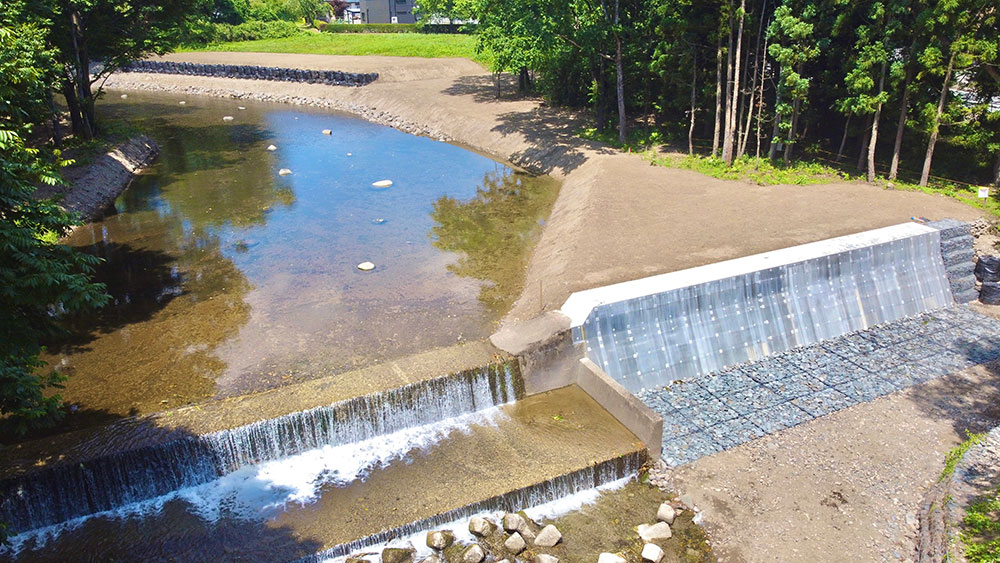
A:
<point x="650" y="332"/>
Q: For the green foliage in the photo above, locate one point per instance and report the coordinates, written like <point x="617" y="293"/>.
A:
<point x="400" y="45"/>
<point x="762" y="172"/>
<point x="981" y="530"/>
<point x="40" y="280"/>
<point x="249" y="31"/>
<point x="956" y="454"/>
<point x="373" y="28"/>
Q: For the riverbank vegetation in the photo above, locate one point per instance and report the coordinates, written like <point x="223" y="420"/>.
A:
<point x="901" y="89"/>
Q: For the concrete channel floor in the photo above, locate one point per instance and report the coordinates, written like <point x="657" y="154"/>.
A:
<point x="751" y="400"/>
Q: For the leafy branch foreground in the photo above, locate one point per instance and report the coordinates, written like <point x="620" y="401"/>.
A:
<point x="981" y="530"/>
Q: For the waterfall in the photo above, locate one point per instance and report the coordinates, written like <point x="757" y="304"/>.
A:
<point x="70" y="490"/>
<point x="512" y="501"/>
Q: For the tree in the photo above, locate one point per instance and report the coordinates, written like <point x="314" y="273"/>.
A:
<point x="40" y="280"/>
<point x="792" y="45"/>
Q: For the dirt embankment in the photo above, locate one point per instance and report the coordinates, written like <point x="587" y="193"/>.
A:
<point x="93" y="186"/>
<point x="617" y="217"/>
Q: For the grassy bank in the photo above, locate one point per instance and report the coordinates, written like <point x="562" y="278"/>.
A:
<point x="765" y="172"/>
<point x="427" y="45"/>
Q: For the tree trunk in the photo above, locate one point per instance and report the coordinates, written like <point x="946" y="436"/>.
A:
<point x="873" y="143"/>
<point x="904" y="106"/>
<point x="75" y="115"/>
<point x="760" y="98"/>
<point x="925" y="174"/>
<point x="523" y="81"/>
<point x="843" y="138"/>
<point x="718" y="98"/>
<point x="996" y="171"/>
<point x="727" y="120"/>
<point x="694" y="101"/>
<point x="745" y="136"/>
<point x="602" y="94"/>
<point x="56" y="128"/>
<point x="791" y="132"/>
<point x="732" y="107"/>
<point x="84" y="98"/>
<point x="620" y="86"/>
<point x="863" y="149"/>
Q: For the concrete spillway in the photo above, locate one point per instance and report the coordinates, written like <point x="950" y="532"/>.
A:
<point x="650" y="332"/>
<point x="535" y="450"/>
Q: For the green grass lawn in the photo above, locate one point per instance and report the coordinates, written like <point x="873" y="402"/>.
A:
<point x="428" y="45"/>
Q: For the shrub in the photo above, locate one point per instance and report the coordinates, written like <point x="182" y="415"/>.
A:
<point x="248" y="31"/>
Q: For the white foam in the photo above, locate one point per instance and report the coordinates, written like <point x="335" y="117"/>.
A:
<point x="258" y="492"/>
<point x="460" y="527"/>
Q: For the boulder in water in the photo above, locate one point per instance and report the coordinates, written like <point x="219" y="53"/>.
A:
<point x="513" y="522"/>
<point x="473" y="554"/>
<point x="327" y="132"/>
<point x="545" y="558"/>
<point x="652" y="553"/>
<point x="182" y="102"/>
<point x="433" y="558"/>
<point x="481" y="527"/>
<point x="124" y="96"/>
<point x="240" y="107"/>
<point x="272" y="148"/>
<point x="440" y="539"/>
<point x="514" y="544"/>
<point x="548" y="537"/>
<point x="610" y="558"/>
<point x="366" y="266"/>
<point x="382" y="183"/>
<point x="227" y="118"/>
<point x="398" y="555"/>
<point x="284" y="172"/>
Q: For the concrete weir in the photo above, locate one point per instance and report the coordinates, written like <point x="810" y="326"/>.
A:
<point x="650" y="332"/>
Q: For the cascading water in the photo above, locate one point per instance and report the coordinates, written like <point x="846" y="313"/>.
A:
<point x="64" y="492"/>
<point x="650" y="332"/>
<point x="534" y="495"/>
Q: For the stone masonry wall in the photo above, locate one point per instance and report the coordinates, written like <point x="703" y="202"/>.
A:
<point x="957" y="252"/>
<point x="251" y="72"/>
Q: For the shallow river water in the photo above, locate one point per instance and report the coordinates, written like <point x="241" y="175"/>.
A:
<point x="228" y="277"/>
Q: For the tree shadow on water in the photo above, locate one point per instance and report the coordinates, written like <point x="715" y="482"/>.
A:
<point x="123" y="476"/>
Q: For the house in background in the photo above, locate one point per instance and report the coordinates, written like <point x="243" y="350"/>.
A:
<point x="380" y="11"/>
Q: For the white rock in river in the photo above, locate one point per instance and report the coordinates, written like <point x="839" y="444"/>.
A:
<point x="227" y="118"/>
<point x="366" y="266"/>
<point x="548" y="537"/>
<point x="512" y="522"/>
<point x="382" y="183"/>
<point x="284" y="172"/>
<point x="652" y="532"/>
<point x="666" y="513"/>
<point x="124" y="96"/>
<point x="440" y="539"/>
<point x="327" y="132"/>
<point x="545" y="558"/>
<point x="348" y="154"/>
<point x="515" y="544"/>
<point x="480" y="526"/>
<point x="610" y="558"/>
<point x="473" y="554"/>
<point x="272" y="148"/>
<point x="652" y="553"/>
<point x="240" y="107"/>
<point x="182" y="102"/>
<point x="433" y="558"/>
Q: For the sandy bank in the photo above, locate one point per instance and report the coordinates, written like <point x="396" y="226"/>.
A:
<point x="92" y="186"/>
<point x="617" y="217"/>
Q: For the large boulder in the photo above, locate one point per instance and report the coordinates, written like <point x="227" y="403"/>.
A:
<point x="433" y="558"/>
<point x="440" y="539"/>
<point x="473" y="554"/>
<point x="545" y="558"/>
<point x="548" y="537"/>
<point x="666" y="513"/>
<point x="515" y="544"/>
<point x="513" y="522"/>
<point x="610" y="558"/>
<point x="398" y="555"/>
<point x="481" y="527"/>
<point x="653" y="532"/>
<point x="652" y="553"/>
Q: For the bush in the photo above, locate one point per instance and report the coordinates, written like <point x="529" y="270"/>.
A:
<point x="252" y="30"/>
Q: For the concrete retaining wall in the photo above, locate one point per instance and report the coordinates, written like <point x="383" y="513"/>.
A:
<point x="251" y="72"/>
<point x="957" y="253"/>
